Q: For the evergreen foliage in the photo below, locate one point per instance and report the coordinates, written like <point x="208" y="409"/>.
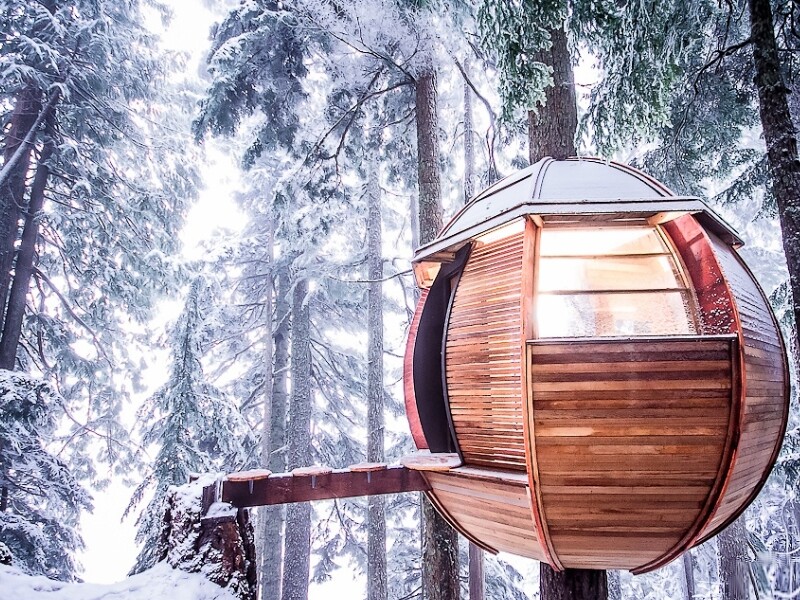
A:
<point x="195" y="426"/>
<point x="513" y="33"/>
<point x="93" y="190"/>
<point x="252" y="75"/>
<point x="40" y="498"/>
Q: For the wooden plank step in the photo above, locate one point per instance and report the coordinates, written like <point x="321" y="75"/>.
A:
<point x="427" y="461"/>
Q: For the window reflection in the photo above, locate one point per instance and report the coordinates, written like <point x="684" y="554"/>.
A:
<point x="610" y="281"/>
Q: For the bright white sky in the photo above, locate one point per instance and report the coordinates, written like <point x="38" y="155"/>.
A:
<point x="110" y="548"/>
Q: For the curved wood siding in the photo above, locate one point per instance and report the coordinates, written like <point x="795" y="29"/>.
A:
<point x="765" y="391"/>
<point x="491" y="506"/>
<point x="483" y="356"/>
<point x="412" y="414"/>
<point x="630" y="437"/>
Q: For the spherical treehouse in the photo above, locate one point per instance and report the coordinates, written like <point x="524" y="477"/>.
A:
<point x="603" y="364"/>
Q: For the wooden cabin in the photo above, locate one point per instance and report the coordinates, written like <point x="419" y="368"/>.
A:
<point x="603" y="364"/>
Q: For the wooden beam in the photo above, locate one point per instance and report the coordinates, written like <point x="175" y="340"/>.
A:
<point x="285" y="488"/>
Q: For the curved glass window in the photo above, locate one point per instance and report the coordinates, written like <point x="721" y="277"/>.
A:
<point x="610" y="281"/>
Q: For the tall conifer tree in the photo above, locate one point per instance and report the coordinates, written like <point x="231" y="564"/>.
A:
<point x="92" y="193"/>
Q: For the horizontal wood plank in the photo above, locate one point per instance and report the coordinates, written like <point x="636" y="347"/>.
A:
<point x="629" y="437"/>
<point x="483" y="357"/>
<point x="285" y="488"/>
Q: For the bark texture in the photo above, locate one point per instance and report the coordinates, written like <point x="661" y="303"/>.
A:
<point x="469" y="145"/>
<point x="12" y="190"/>
<point x="273" y="456"/>
<point x="780" y="137"/>
<point x="429" y="207"/>
<point x="552" y="127"/>
<point x="376" y="505"/>
<point x="26" y="255"/>
<point x="221" y="548"/>
<point x="268" y="356"/>
<point x="734" y="575"/>
<point x="688" y="575"/>
<point x="439" y="556"/>
<point x="572" y="584"/>
<point x="476" y="576"/>
<point x="297" y="550"/>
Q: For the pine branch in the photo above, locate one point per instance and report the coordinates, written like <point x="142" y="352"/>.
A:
<point x="352" y="112"/>
<point x="55" y="95"/>
<point x="719" y="55"/>
<point x="65" y="303"/>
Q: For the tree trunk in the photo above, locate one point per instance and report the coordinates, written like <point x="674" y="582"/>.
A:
<point x="476" y="577"/>
<point x="572" y="584"/>
<point x="12" y="189"/>
<point x="734" y="576"/>
<point x="269" y="349"/>
<point x="376" y="505"/>
<point x="439" y="540"/>
<point x="297" y="553"/>
<point x="429" y="206"/>
<point x="779" y="134"/>
<point x="4" y="497"/>
<point x="688" y="575"/>
<point x="552" y="127"/>
<point x="23" y="266"/>
<point x="439" y="556"/>
<point x="221" y="547"/>
<point x="469" y="145"/>
<point x="277" y="357"/>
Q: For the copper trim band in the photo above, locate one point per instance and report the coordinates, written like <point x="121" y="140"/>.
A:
<point x="680" y="231"/>
<point x="530" y="242"/>
<point x="779" y="442"/>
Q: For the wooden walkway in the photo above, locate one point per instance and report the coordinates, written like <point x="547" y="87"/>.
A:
<point x="261" y="487"/>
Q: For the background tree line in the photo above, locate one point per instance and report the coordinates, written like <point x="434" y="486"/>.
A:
<point x="359" y="127"/>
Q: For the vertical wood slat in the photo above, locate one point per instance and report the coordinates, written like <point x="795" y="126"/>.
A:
<point x="627" y="453"/>
<point x="765" y="400"/>
<point x="483" y="356"/>
<point x="530" y="295"/>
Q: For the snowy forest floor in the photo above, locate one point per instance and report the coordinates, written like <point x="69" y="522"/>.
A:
<point x="159" y="582"/>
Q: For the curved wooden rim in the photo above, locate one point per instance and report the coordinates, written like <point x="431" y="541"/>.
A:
<point x="736" y="418"/>
<point x="454" y="523"/>
<point x="528" y="317"/>
<point x="717" y="492"/>
<point x="409" y="395"/>
<point x="786" y="406"/>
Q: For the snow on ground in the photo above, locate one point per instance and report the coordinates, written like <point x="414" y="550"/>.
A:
<point x="161" y="581"/>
